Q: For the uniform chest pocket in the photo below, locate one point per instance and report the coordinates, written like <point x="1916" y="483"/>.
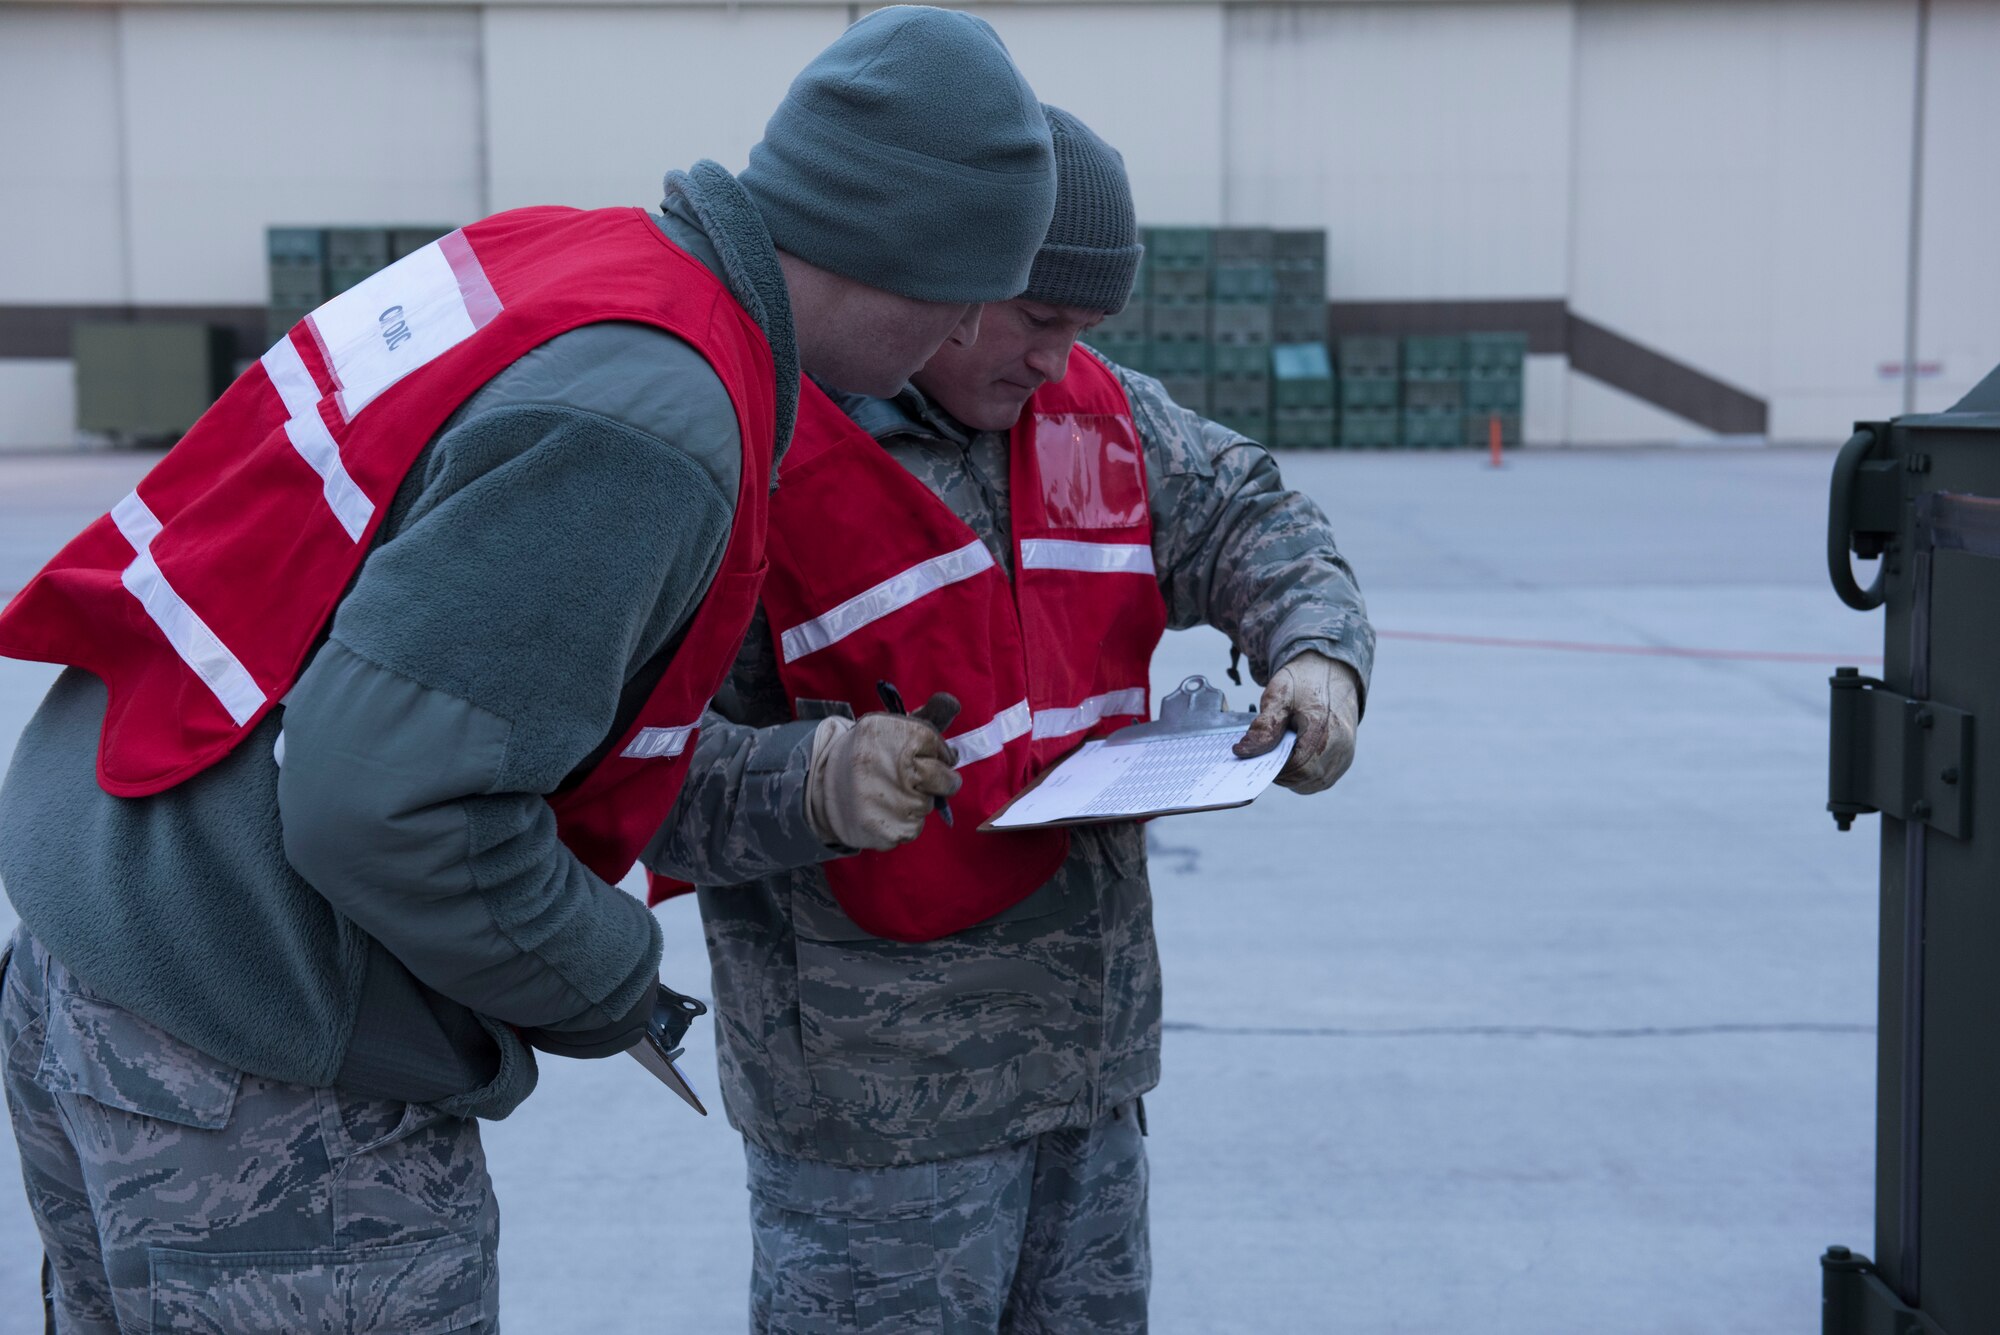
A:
<point x="1092" y="473"/>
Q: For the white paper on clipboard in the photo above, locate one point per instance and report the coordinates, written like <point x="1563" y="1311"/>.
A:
<point x="1185" y="762"/>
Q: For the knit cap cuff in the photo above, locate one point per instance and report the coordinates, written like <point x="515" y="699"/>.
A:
<point x="1087" y="277"/>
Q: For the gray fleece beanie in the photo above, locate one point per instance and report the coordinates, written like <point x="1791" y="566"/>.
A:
<point x="912" y="156"/>
<point x="1092" y="251"/>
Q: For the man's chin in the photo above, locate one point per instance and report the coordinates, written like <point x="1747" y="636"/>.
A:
<point x="1002" y="409"/>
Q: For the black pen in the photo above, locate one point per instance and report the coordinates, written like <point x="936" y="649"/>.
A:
<point x="892" y="700"/>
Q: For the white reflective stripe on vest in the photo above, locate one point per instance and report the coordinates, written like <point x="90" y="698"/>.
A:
<point x="1091" y="558"/>
<point x="653" y="743"/>
<point x="1063" y="722"/>
<point x="988" y="740"/>
<point x="891" y="595"/>
<point x="306" y="429"/>
<point x="199" y="647"/>
<point x="393" y="322"/>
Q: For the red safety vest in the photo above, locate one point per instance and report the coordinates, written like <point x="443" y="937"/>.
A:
<point x="874" y="579"/>
<point x="200" y="597"/>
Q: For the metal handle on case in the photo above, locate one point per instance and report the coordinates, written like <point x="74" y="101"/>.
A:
<point x="1840" y="531"/>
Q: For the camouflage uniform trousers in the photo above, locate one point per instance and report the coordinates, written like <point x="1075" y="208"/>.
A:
<point x="174" y="1192"/>
<point x="1042" y="1237"/>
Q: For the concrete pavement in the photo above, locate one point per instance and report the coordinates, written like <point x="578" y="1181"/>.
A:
<point x="1556" y="1015"/>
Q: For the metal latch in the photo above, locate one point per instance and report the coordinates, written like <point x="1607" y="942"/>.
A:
<point x="1911" y="759"/>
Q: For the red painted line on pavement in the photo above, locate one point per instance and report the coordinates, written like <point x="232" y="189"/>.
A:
<point x="1636" y="650"/>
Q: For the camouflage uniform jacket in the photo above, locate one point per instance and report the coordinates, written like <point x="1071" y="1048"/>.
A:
<point x="839" y="1046"/>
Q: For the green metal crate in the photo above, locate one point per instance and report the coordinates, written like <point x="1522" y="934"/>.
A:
<point x="1177" y="247"/>
<point x="1130" y="322"/>
<point x="1177" y="357"/>
<point x="1257" y="426"/>
<point x="1434" y="395"/>
<point x="414" y="237"/>
<point x="1238" y="360"/>
<point x="1425" y="429"/>
<point x="1239" y="396"/>
<point x="1434" y="357"/>
<point x="1302" y="429"/>
<point x="1369" y="429"/>
<point x="147" y="380"/>
<point x="1177" y="287"/>
<point x="1297" y="247"/>
<point x="1368" y="356"/>
<point x="1369" y="394"/>
<point x="1243" y="243"/>
<point x="1301" y="378"/>
<point x="1240" y="323"/>
<point x="1495" y="356"/>
<point x="1178" y="322"/>
<point x="1129" y="351"/>
<point x="295" y="261"/>
<point x="352" y="254"/>
<point x="1502" y="396"/>
<point x="1241" y="280"/>
<point x="1298" y="321"/>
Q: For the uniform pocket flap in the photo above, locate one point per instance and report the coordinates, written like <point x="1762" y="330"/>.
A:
<point x="109" y="1054"/>
<point x="423" y="1288"/>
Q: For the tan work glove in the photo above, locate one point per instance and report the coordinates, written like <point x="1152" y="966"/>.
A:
<point x="1319" y="699"/>
<point x="872" y="781"/>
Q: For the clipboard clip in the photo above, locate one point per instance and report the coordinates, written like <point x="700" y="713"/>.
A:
<point x="1196" y="706"/>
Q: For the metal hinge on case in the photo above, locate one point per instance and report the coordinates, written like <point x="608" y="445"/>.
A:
<point x="1911" y="759"/>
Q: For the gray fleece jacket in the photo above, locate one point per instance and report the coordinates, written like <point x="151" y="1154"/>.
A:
<point x="388" y="909"/>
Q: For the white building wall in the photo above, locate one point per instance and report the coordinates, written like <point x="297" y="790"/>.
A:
<point x="61" y="231"/>
<point x="239" y="117"/>
<point x="1149" y="81"/>
<point x="1726" y="182"/>
<point x="1958" y="319"/>
<point x="591" y="107"/>
<point x="1741" y="196"/>
<point x="1431" y="141"/>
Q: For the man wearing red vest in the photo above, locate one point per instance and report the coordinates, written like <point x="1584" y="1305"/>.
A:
<point x="935" y="1041"/>
<point x="391" y="667"/>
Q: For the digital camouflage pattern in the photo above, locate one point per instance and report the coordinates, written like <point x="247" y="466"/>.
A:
<point x="842" y="1047"/>
<point x="1048" y="1235"/>
<point x="175" y="1193"/>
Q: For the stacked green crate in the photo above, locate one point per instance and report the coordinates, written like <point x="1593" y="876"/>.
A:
<point x="352" y="254"/>
<point x="411" y="237"/>
<point x="1494" y="366"/>
<point x="1122" y="337"/>
<point x="1369" y="384"/>
<point x="307" y="265"/>
<point x="1302" y="397"/>
<point x="295" y="260"/>
<point x="1433" y="391"/>
<point x="1176" y="287"/>
<point x="1298" y="287"/>
<point x="1239" y="330"/>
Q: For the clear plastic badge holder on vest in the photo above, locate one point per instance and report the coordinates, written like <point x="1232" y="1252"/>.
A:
<point x="1183" y="761"/>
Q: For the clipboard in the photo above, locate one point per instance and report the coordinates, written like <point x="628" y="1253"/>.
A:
<point x="1175" y="764"/>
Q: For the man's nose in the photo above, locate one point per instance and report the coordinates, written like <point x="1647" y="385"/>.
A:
<point x="1050" y="361"/>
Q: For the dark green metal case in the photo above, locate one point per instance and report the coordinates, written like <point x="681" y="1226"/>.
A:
<point x="1918" y="744"/>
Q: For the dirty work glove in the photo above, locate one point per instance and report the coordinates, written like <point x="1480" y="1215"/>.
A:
<point x="1320" y="700"/>
<point x="871" y="782"/>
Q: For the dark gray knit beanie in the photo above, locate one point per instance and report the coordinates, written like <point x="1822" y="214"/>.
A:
<point x="912" y="156"/>
<point x="1092" y="251"/>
